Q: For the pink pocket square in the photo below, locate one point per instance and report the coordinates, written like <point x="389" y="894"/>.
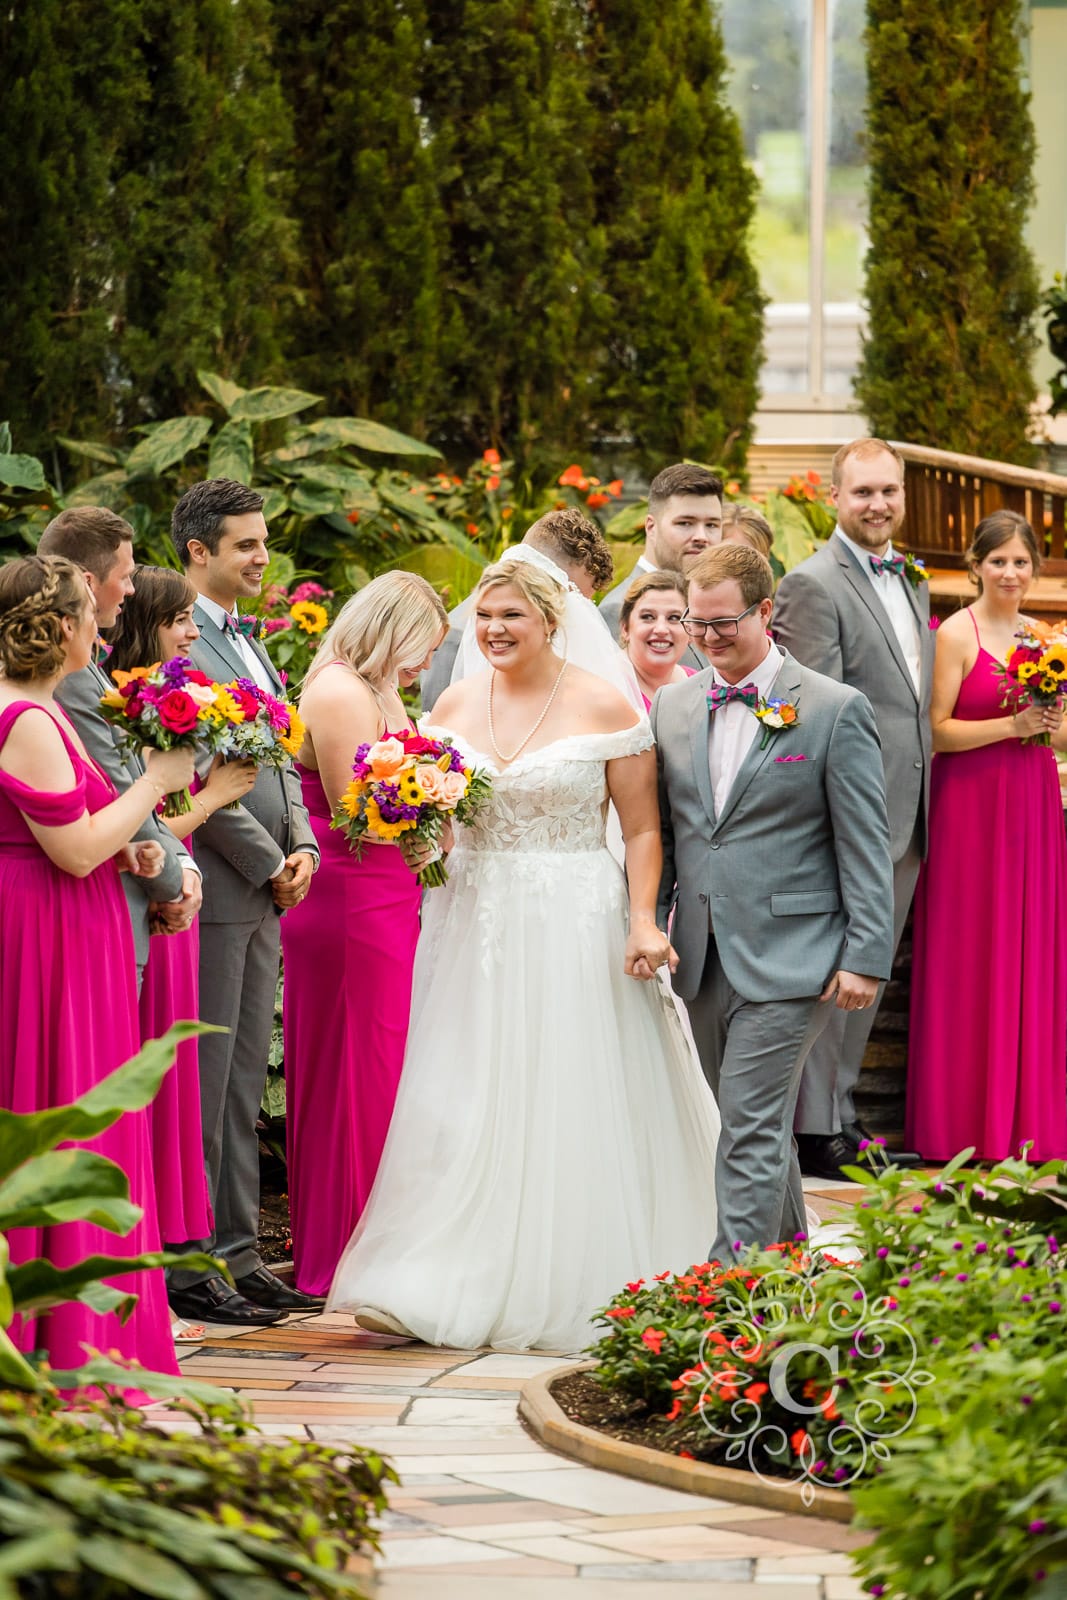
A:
<point x="792" y="758"/>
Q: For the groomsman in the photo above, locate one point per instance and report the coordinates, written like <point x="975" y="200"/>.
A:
<point x="684" y="518"/>
<point x="776" y="865"/>
<point x="567" y="538"/>
<point x="859" y="612"/>
<point x="101" y="543"/>
<point x="257" y="861"/>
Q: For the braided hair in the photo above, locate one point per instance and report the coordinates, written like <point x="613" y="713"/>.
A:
<point x="36" y="593"/>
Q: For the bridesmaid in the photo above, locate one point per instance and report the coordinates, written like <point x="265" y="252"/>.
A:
<point x="348" y="954"/>
<point x="156" y="624"/>
<point x="651" y="632"/>
<point x="989" y="970"/>
<point x="68" y="1003"/>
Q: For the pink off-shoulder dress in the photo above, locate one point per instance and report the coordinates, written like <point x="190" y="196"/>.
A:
<point x="68" y="1017"/>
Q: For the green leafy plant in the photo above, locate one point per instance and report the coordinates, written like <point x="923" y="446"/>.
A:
<point x="1054" y="305"/>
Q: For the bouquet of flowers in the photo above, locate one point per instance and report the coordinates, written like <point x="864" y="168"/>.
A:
<point x="1035" y="672"/>
<point x="405" y="787"/>
<point x="294" y="622"/>
<point x="167" y="706"/>
<point x="258" y="726"/>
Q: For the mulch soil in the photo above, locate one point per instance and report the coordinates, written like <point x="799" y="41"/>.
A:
<point x="582" y="1399"/>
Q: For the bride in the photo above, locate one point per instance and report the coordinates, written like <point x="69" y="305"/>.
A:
<point x="552" y="1137"/>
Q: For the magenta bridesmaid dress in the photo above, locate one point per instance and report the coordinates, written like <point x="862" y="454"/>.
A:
<point x="988" y="1033"/>
<point x="68" y="1017"/>
<point x="348" y="952"/>
<point x="170" y="992"/>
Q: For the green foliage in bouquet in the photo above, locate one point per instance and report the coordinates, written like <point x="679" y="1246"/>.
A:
<point x="802" y="1365"/>
<point x="951" y="286"/>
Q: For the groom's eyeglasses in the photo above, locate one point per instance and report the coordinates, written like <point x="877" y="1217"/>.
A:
<point x="721" y="627"/>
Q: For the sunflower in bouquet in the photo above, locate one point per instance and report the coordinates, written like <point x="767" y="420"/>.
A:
<point x="1035" y="672"/>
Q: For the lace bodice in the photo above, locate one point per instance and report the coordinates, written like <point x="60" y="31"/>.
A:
<point x="551" y="800"/>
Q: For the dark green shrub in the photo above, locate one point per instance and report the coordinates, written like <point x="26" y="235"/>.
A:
<point x="950" y="282"/>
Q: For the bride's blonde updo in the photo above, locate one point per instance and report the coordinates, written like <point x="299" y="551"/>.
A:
<point x="36" y="593"/>
<point x="535" y="586"/>
<point x="394" y="622"/>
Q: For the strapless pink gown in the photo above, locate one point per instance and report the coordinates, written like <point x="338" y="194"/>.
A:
<point x="988" y="1033"/>
<point x="348" y="952"/>
<point x="68" y="1017"/>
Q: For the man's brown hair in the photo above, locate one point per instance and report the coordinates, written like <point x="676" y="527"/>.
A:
<point x="89" y="535"/>
<point x="723" y="562"/>
<point x="569" y="534"/>
<point x="684" y="477"/>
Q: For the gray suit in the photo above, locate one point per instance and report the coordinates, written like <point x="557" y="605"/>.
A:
<point x="828" y="614"/>
<point x="437" y="678"/>
<point x="79" y="694"/>
<point x="789" y="882"/>
<point x="239" y="850"/>
<point x="610" y="609"/>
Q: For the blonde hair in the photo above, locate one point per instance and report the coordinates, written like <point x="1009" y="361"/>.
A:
<point x="535" y="586"/>
<point x="391" y="623"/>
<point x="748" y="526"/>
<point x="36" y="593"/>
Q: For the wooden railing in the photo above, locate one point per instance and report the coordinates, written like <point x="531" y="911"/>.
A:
<point x="948" y="495"/>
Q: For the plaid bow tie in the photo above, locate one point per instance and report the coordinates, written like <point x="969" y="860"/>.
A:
<point x="247" y="627"/>
<point x="892" y="564"/>
<point x="720" y="694"/>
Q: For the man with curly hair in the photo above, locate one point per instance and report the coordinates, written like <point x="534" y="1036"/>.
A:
<point x="570" y="540"/>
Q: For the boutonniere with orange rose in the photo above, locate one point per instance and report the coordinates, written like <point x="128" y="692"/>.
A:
<point x="168" y="706"/>
<point x="404" y="788"/>
<point x="1035" y="673"/>
<point x="775" y="716"/>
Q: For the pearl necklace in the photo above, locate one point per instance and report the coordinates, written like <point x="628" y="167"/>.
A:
<point x="507" y="760"/>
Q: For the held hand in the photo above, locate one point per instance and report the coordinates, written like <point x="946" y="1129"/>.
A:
<point x="854" y="993"/>
<point x="292" y="884"/>
<point x="143" y="858"/>
<point x="177" y="915"/>
<point x="1036" y="719"/>
<point x="228" y="781"/>
<point x="418" y="853"/>
<point x="171" y="768"/>
<point x="647" y="949"/>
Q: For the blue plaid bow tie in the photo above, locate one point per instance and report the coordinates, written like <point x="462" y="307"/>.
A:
<point x="247" y="627"/>
<point x="720" y="694"/>
<point x="892" y="564"/>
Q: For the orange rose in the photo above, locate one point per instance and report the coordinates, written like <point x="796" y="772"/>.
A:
<point x="386" y="758"/>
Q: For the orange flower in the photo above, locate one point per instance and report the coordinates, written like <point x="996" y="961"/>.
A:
<point x="733" y="487"/>
<point x="595" y="501"/>
<point x="788" y="713"/>
<point x="674" y="1413"/>
<point x="492" y="457"/>
<point x="573" y="477"/>
<point x="353" y="517"/>
<point x="813" y="477"/>
<point x="798" y="1440"/>
<point x="507" y="512"/>
<point x="493" y="482"/>
<point x="756" y="1391"/>
<point x="615" y="487"/>
<point x="472" y="529"/>
<point x="652" y="1339"/>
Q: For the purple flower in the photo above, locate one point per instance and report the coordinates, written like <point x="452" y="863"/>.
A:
<point x="918" y="1210"/>
<point x="883" y="1251"/>
<point x="1054" y="1306"/>
<point x="957" y="1244"/>
<point x="1053" y="1244"/>
<point x="839" y="1473"/>
<point x="864" y="1144"/>
<point x="1039" y="1525"/>
<point x="1026" y="1299"/>
<point x="980" y="1248"/>
<point x="904" y="1282"/>
<point x="961" y="1277"/>
<point x="858" y="1295"/>
<point x="1026" y="1400"/>
<point x="174" y="671"/>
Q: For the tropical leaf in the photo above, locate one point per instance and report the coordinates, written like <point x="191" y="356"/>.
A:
<point x="312" y="501"/>
<point x="220" y="389"/>
<point x="101" y="1372"/>
<point x="68" y="1186"/>
<point x="231" y="454"/>
<point x="92" y="452"/>
<point x="15" y="1370"/>
<point x="38" y="1283"/>
<point x="139" y="1568"/>
<point x="5" y="438"/>
<point x="373" y="436"/>
<point x="129" y="1088"/>
<point x="107" y="489"/>
<point x="167" y="443"/>
<point x="267" y="404"/>
<point x="22" y="472"/>
<point x="628" y="522"/>
<point x="793" y="538"/>
<point x="275" y="501"/>
<point x="415" y="509"/>
<point x="306" y="442"/>
<point x="355" y="486"/>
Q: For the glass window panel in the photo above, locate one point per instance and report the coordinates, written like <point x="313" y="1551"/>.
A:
<point x="845" y="234"/>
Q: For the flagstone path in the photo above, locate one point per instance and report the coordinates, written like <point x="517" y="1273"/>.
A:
<point x="484" y="1512"/>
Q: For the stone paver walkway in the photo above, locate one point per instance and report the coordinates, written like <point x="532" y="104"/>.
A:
<point x="484" y="1512"/>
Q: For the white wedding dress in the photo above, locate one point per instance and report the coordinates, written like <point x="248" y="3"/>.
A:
<point x="552" y="1137"/>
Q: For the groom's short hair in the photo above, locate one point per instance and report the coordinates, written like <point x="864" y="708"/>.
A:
<point x="722" y="563"/>
<point x="203" y="509"/>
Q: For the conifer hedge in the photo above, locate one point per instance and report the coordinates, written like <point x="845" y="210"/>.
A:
<point x="951" y="287"/>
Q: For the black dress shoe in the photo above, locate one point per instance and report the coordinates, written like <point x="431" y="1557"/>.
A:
<point x="264" y="1289"/>
<point x="214" y="1301"/>
<point x="822" y="1155"/>
<point x="857" y="1131"/>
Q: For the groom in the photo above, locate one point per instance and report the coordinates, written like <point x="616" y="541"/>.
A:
<point x="777" y="866"/>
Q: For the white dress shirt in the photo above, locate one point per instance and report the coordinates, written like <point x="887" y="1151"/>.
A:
<point x="256" y="670"/>
<point x="733" y="727"/>
<point x="893" y="597"/>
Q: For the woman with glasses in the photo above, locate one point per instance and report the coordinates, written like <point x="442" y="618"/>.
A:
<point x="651" y="632"/>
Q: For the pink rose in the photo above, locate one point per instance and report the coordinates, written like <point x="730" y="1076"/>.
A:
<point x="443" y="789"/>
<point x="386" y="758"/>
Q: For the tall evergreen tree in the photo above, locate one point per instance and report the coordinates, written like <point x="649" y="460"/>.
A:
<point x="370" y="218"/>
<point x="504" y="93"/>
<point x="676" y="200"/>
<point x="73" y="90"/>
<point x="951" y="286"/>
<point x="200" y="206"/>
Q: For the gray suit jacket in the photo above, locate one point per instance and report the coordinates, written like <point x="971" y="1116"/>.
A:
<point x="793" y="879"/>
<point x="240" y="849"/>
<point x="827" y="614"/>
<point x="436" y="680"/>
<point x="79" y="694"/>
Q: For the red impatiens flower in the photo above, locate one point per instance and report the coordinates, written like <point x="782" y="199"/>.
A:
<point x="595" y="501"/>
<point x="618" y="1312"/>
<point x="492" y="457"/>
<point x="652" y="1339"/>
<point x="798" y="1440"/>
<point x="493" y="482"/>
